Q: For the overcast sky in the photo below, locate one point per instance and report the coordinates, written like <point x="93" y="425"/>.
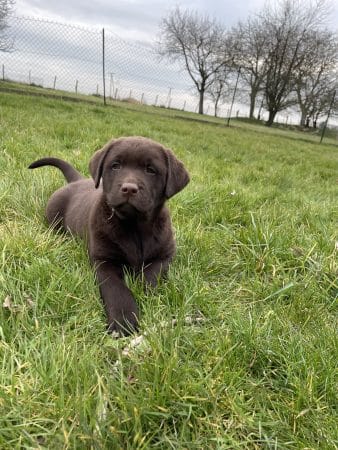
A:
<point x="139" y="19"/>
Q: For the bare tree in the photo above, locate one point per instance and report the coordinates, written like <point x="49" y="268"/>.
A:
<point x="324" y="105"/>
<point x="219" y="88"/>
<point x="288" y="24"/>
<point x="197" y="42"/>
<point x="251" y="40"/>
<point x="5" y="9"/>
<point x="316" y="78"/>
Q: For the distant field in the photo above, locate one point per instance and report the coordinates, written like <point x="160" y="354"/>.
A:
<point x="330" y="136"/>
<point x="257" y="263"/>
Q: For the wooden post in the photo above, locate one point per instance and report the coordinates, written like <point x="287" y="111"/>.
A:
<point x="54" y="85"/>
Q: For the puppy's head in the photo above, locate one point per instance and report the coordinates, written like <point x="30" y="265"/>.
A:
<point x="138" y="175"/>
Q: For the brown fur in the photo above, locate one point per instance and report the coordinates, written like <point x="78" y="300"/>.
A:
<point x="121" y="213"/>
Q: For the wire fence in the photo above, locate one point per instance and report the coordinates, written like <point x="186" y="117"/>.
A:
<point x="78" y="60"/>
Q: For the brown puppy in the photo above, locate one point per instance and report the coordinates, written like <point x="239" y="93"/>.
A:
<point x="123" y="217"/>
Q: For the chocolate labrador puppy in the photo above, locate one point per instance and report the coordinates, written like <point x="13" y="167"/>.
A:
<point x="123" y="217"/>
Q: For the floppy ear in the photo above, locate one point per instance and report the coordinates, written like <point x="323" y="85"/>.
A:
<point x="177" y="175"/>
<point x="97" y="162"/>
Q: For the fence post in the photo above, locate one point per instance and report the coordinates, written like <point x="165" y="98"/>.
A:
<point x="103" y="68"/>
<point x="54" y="85"/>
<point x="76" y="83"/>
<point x="3" y="72"/>
<point x="328" y="116"/>
<point x="169" y="98"/>
<point x="233" y="97"/>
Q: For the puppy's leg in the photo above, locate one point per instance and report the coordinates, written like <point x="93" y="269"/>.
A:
<point x="120" y="306"/>
<point x="154" y="270"/>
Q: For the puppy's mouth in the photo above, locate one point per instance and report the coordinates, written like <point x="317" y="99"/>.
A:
<point x="126" y="211"/>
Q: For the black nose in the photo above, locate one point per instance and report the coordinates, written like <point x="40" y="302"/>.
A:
<point x="129" y="188"/>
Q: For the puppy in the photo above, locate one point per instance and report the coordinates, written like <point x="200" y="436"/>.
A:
<point x="121" y="213"/>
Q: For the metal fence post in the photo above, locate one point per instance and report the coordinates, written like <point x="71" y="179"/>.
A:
<point x="103" y="68"/>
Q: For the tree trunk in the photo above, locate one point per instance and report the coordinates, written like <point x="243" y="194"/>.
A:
<point x="216" y="105"/>
<point x="252" y="104"/>
<point x="272" y="115"/>
<point x="302" y="118"/>
<point x="201" y="101"/>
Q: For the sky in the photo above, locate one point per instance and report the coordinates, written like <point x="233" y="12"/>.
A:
<point x="139" y="19"/>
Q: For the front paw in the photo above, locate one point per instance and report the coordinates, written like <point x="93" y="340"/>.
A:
<point x="124" y="324"/>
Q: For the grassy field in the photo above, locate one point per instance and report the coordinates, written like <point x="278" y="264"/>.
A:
<point x="256" y="271"/>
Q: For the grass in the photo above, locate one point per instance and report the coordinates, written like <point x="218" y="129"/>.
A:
<point x="257" y="260"/>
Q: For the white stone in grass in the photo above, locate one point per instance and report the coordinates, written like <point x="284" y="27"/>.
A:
<point x="7" y="302"/>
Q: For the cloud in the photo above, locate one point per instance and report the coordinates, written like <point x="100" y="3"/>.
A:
<point x="136" y="19"/>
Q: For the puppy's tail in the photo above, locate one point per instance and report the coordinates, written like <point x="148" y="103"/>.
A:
<point x="68" y="171"/>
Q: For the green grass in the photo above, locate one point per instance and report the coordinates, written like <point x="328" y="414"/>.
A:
<point x="257" y="259"/>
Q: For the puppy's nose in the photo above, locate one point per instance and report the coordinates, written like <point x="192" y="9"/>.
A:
<point x="129" y="189"/>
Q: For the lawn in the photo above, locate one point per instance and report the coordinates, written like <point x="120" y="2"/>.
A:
<point x="250" y="360"/>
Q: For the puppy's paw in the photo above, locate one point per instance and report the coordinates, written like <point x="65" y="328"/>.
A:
<point x="124" y="325"/>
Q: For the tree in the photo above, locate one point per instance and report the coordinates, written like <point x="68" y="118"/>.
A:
<point x="219" y="88"/>
<point x="315" y="79"/>
<point x="197" y="42"/>
<point x="251" y="41"/>
<point x="5" y="10"/>
<point x="325" y="105"/>
<point x="288" y="25"/>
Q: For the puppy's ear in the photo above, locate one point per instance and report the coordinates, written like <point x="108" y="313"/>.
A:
<point x="97" y="162"/>
<point x="177" y="175"/>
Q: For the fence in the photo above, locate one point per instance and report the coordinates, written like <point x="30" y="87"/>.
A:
<point x="84" y="61"/>
<point x="70" y="58"/>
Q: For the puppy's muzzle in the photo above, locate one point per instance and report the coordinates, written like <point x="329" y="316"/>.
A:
<point x="129" y="189"/>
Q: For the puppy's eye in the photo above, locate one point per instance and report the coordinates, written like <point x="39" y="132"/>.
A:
<point x="151" y="170"/>
<point x="116" y="165"/>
